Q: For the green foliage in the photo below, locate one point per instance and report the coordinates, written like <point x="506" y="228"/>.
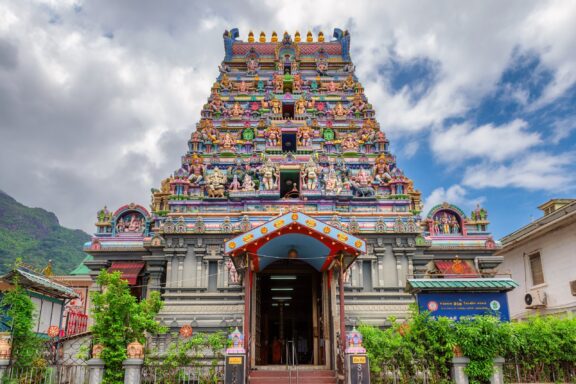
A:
<point x="35" y="235"/>
<point x="543" y="346"/>
<point x="25" y="343"/>
<point x="120" y="319"/>
<point x="190" y="353"/>
<point x="481" y="339"/>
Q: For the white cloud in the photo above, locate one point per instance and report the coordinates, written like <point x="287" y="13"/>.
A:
<point x="535" y="171"/>
<point x="462" y="141"/>
<point x="456" y="194"/>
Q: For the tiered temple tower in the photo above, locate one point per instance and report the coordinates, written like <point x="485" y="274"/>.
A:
<point x="287" y="174"/>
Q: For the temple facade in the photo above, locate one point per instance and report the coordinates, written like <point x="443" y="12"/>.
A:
<point x="288" y="216"/>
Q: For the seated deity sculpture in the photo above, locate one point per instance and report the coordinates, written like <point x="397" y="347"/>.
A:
<point x="216" y="183"/>
<point x="208" y="131"/>
<point x="216" y="104"/>
<point x="235" y="184"/>
<point x="236" y="111"/>
<point x="349" y="83"/>
<point x="331" y="86"/>
<point x="278" y="83"/>
<point x="252" y="66"/>
<point x="367" y="133"/>
<point x="225" y="83"/>
<point x="248" y="183"/>
<point x="310" y="103"/>
<point x="358" y="105"/>
<point x="227" y="142"/>
<point x="339" y="111"/>
<point x="243" y="87"/>
<point x="381" y="171"/>
<point x="265" y="104"/>
<point x="349" y="144"/>
<point x="196" y="169"/>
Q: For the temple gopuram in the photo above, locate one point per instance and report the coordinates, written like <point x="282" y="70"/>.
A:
<point x="288" y="216"/>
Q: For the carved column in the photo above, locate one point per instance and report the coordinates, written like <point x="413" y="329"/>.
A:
<point x="180" y="257"/>
<point x="169" y="270"/>
<point x="95" y="371"/>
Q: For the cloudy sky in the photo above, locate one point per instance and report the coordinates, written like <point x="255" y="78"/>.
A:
<point x="98" y="97"/>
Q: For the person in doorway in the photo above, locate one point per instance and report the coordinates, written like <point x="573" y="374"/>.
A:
<point x="276" y="351"/>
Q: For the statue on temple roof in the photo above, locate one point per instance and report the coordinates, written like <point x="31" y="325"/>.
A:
<point x="381" y="170"/>
<point x="330" y="86"/>
<point x="225" y="83"/>
<point x="349" y="144"/>
<point x="310" y="173"/>
<point x="339" y="111"/>
<point x="304" y="135"/>
<point x="196" y="170"/>
<point x="252" y="63"/>
<point x="248" y="183"/>
<point x="216" y="104"/>
<point x="104" y="215"/>
<point x="216" y="183"/>
<point x="236" y="111"/>
<point x="269" y="172"/>
<point x="367" y="133"/>
<point x="276" y="106"/>
<point x="227" y="142"/>
<point x="243" y="87"/>
<point x="209" y="133"/>
<point x="300" y="106"/>
<point x="278" y="83"/>
<point x="358" y="105"/>
<point x="273" y="136"/>
<point x="297" y="82"/>
<point x="349" y="83"/>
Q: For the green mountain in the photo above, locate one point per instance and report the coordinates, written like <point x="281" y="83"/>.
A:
<point x="35" y="235"/>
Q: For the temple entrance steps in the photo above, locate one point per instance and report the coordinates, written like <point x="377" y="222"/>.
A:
<point x="282" y="376"/>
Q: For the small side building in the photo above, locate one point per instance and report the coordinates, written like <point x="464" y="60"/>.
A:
<point x="540" y="257"/>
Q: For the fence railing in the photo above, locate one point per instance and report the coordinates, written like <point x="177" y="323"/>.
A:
<point x="157" y="374"/>
<point x="76" y="323"/>
<point x="60" y="374"/>
<point x="518" y="372"/>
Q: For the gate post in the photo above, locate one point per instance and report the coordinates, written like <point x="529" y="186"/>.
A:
<point x="133" y="364"/>
<point x="357" y="364"/>
<point x="235" y="365"/>
<point x="498" y="373"/>
<point x="95" y="371"/>
<point x="458" y="366"/>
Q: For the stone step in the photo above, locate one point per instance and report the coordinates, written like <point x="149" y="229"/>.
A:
<point x="321" y="376"/>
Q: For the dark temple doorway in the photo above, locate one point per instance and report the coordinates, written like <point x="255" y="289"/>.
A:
<point x="289" y="142"/>
<point x="290" y="306"/>
<point x="290" y="184"/>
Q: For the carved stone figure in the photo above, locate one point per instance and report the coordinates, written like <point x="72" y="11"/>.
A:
<point x="225" y="83"/>
<point x="310" y="172"/>
<point x="349" y="144"/>
<point x="381" y="171"/>
<point x="235" y="184"/>
<point x="196" y="170"/>
<point x="233" y="277"/>
<point x="135" y="350"/>
<point x="216" y="104"/>
<point x="248" y="183"/>
<point x="349" y="83"/>
<point x="227" y="143"/>
<point x="304" y="136"/>
<point x="358" y="105"/>
<point x="236" y="111"/>
<point x="297" y="82"/>
<point x="339" y="111"/>
<point x="216" y="181"/>
<point x="300" y="107"/>
<point x="273" y="136"/>
<point x="278" y="83"/>
<point x="252" y="65"/>
<point x="269" y="172"/>
<point x="276" y="106"/>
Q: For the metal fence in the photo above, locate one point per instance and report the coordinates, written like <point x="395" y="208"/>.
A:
<point x="419" y="372"/>
<point x="203" y="374"/>
<point x="520" y="372"/>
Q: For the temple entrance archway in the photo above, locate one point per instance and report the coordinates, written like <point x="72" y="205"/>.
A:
<point x="289" y="314"/>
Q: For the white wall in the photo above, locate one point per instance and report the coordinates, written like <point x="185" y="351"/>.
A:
<point x="558" y="254"/>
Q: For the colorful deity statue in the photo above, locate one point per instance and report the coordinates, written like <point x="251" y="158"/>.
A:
<point x="349" y="144"/>
<point x="339" y="111"/>
<point x="273" y="136"/>
<point x="332" y="181"/>
<point x="235" y="184"/>
<point x="321" y="65"/>
<point x="363" y="179"/>
<point x="297" y="82"/>
<point x="252" y="65"/>
<point x="358" y="105"/>
<point x="310" y="173"/>
<point x="216" y="104"/>
<point x="227" y="142"/>
<point x="276" y="106"/>
<point x="269" y="173"/>
<point x="243" y="87"/>
<point x="216" y="183"/>
<point x="331" y="86"/>
<point x="248" y="183"/>
<point x="454" y="226"/>
<point x="265" y="104"/>
<point x="300" y="106"/>
<point x="236" y="111"/>
<point x="104" y="215"/>
<point x="196" y="170"/>
<point x="479" y="214"/>
<point x="304" y="136"/>
<point x="209" y="133"/>
<point x="368" y="132"/>
<point x="278" y="83"/>
<point x="349" y="83"/>
<point x="381" y="170"/>
<point x="225" y="83"/>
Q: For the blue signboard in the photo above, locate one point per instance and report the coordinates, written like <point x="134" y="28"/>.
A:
<point x="461" y="305"/>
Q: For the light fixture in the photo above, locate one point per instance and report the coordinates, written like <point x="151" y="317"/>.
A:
<point x="282" y="289"/>
<point x="281" y="298"/>
<point x="282" y="277"/>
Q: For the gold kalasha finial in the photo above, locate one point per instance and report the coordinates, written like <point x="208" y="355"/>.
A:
<point x="262" y="37"/>
<point x="321" y="37"/>
<point x="251" y="37"/>
<point x="309" y="37"/>
<point x="274" y="37"/>
<point x="297" y="37"/>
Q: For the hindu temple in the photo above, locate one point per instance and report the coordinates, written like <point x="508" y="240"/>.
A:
<point x="288" y="216"/>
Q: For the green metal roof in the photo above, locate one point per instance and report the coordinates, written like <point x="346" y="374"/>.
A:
<point x="38" y="283"/>
<point x="487" y="284"/>
<point x="82" y="269"/>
